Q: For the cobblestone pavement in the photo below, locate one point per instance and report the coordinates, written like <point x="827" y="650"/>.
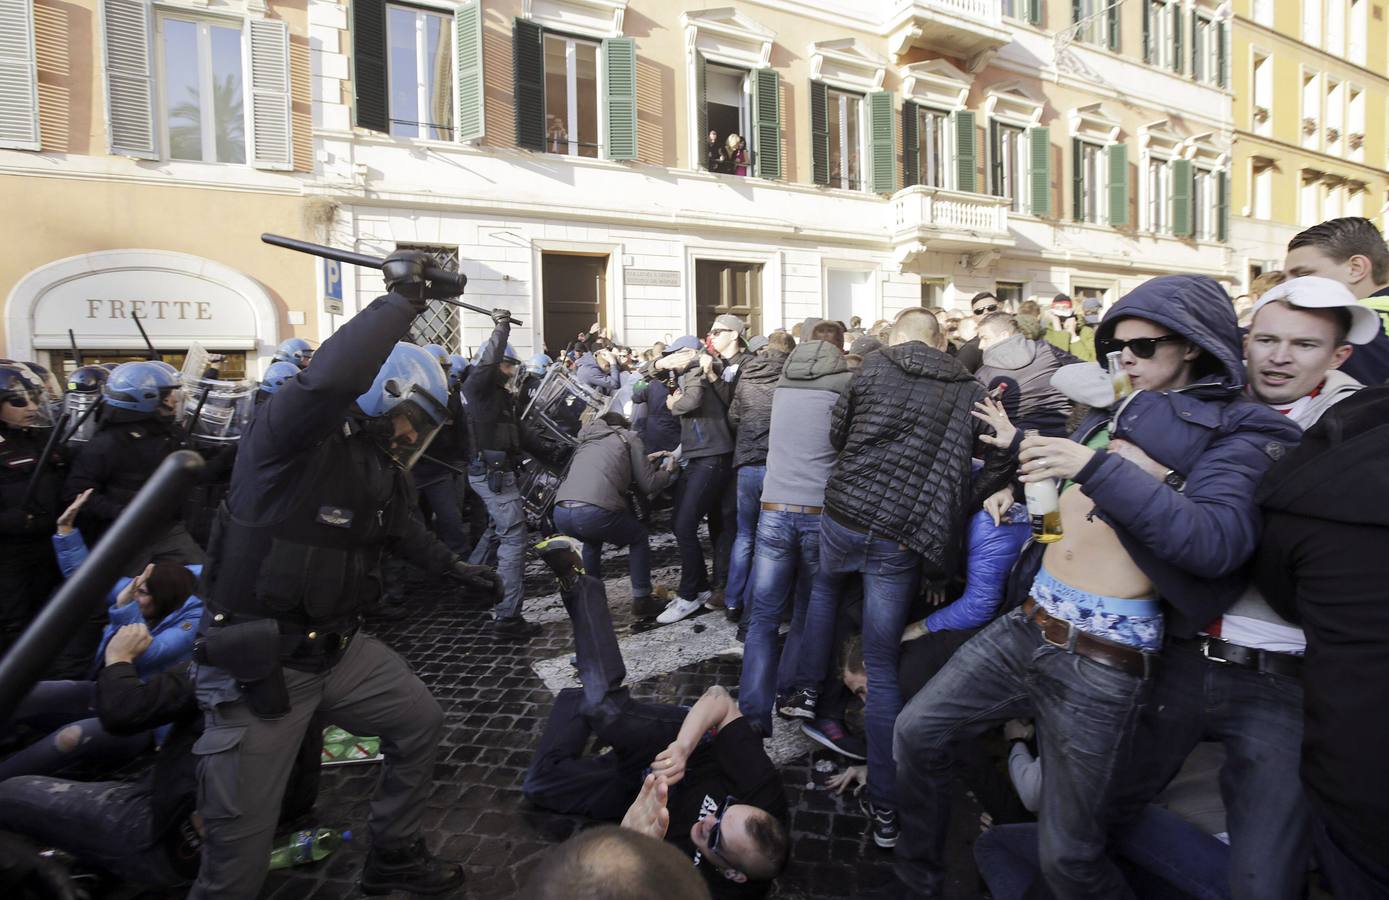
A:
<point x="496" y="696"/>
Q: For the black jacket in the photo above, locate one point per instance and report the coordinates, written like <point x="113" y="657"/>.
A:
<point x="450" y="445"/>
<point x="751" y="411"/>
<point x="492" y="409"/>
<point x="905" y="438"/>
<point x="703" y="409"/>
<point x="21" y="450"/>
<point x="118" y="460"/>
<point x="659" y="428"/>
<point x="1322" y="563"/>
<point x="1369" y="364"/>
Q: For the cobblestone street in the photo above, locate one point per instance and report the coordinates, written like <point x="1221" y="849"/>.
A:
<point x="496" y="696"/>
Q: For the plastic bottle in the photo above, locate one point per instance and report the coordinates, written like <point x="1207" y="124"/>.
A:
<point x="307" y="846"/>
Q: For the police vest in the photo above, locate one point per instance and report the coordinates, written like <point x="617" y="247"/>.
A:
<point x="310" y="567"/>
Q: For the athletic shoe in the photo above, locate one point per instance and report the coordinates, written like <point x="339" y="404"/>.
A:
<point x="831" y="734"/>
<point x="412" y="869"/>
<point x="800" y="704"/>
<point x="647" y="607"/>
<point x="715" y="600"/>
<point x="680" y="608"/>
<point x="515" y="627"/>
<point x="882" y="822"/>
<point x="733" y="613"/>
<point x="564" y="556"/>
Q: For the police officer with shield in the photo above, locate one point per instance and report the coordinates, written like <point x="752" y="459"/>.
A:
<point x="320" y="487"/>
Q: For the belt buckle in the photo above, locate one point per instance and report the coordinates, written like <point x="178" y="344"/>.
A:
<point x="1206" y="650"/>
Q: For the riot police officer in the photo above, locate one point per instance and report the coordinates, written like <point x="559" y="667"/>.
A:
<point x="535" y="370"/>
<point x="28" y="568"/>
<point x="435" y="475"/>
<point x="298" y="351"/>
<point x="320" y="487"/>
<point x="276" y="374"/>
<point x="81" y="402"/>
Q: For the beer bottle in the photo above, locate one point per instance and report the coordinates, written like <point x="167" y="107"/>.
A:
<point x="1043" y="507"/>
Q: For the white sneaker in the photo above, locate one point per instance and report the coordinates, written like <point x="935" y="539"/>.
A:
<point x="680" y="608"/>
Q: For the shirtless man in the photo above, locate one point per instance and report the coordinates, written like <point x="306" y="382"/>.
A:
<point x="1139" y="556"/>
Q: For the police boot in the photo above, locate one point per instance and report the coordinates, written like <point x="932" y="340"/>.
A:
<point x="562" y="555"/>
<point x="411" y="869"/>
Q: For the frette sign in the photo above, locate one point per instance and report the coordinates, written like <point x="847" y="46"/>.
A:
<point x="150" y="310"/>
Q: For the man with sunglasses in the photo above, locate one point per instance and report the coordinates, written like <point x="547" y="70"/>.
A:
<point x="1139" y="556"/>
<point x="969" y="353"/>
<point x="698" y="777"/>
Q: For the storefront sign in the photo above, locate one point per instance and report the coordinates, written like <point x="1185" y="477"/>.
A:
<point x="652" y="277"/>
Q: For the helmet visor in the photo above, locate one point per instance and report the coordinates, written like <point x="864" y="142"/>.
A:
<point x="415" y="422"/>
<point x="27" y="408"/>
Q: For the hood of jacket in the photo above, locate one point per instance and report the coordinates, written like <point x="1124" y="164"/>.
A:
<point x="763" y="369"/>
<point x="588" y="361"/>
<point x="1193" y="306"/>
<point x="1014" y="353"/>
<point x="918" y="359"/>
<point x="812" y="360"/>
<point x="596" y="431"/>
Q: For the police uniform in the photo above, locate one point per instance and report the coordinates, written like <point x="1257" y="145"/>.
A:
<point x="313" y="501"/>
<point x="28" y="568"/>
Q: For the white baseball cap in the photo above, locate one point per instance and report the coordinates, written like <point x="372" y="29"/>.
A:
<point x="1315" y="292"/>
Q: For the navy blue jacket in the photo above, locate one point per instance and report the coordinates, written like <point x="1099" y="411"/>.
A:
<point x="589" y="373"/>
<point x="1194" y="543"/>
<point x="659" y="430"/>
<point x="990" y="551"/>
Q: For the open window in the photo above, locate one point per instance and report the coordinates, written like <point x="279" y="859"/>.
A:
<point x="1099" y="168"/>
<point x="736" y="126"/>
<point x="852" y="133"/>
<point x="1016" y="169"/>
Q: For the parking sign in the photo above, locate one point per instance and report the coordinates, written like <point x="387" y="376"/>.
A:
<point x="332" y="287"/>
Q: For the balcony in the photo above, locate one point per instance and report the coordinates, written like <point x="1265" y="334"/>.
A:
<point x="934" y="220"/>
<point x="971" y="29"/>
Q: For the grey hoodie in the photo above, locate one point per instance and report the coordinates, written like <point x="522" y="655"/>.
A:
<point x="799" y="455"/>
<point x="608" y="462"/>
<point x="1025" y="367"/>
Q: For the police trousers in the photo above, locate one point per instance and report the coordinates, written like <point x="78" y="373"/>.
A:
<point x="244" y="761"/>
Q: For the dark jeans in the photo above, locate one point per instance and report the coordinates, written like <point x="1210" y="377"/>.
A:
<point x="107" y="824"/>
<point x="560" y="777"/>
<point x="890" y="574"/>
<point x="596" y="526"/>
<point x="1086" y="715"/>
<point x="786" y="560"/>
<point x="1162" y="856"/>
<point x="68" y="710"/>
<point x="698" y="493"/>
<point x="749" y="493"/>
<point x="1258" y="718"/>
<point x="1352" y="876"/>
<point x="441" y="498"/>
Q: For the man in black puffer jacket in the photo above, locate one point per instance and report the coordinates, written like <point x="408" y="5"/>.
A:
<point x="895" y="509"/>
<point x="750" y="414"/>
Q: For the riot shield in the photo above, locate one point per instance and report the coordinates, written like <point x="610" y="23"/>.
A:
<point x="561" y="408"/>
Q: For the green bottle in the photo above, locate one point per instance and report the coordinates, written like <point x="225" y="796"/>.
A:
<point x="307" y="846"/>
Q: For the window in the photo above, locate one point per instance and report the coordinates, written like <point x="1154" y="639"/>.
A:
<point x="1311" y="22"/>
<point x="1311" y="111"/>
<point x="571" y="96"/>
<point x="440" y="323"/>
<point x="1089" y="182"/>
<point x="726" y="103"/>
<point x="1009" y="294"/>
<point x="1333" y="201"/>
<point x="1355" y="123"/>
<point x="419" y="74"/>
<point x="1080" y="294"/>
<point x="933" y="157"/>
<point x="1010" y="165"/>
<point x="1335" y="116"/>
<point x="1161" y="16"/>
<point x="1207" y="56"/>
<point x="204" y="117"/>
<point x="1159" y="188"/>
<point x="932" y="292"/>
<point x="1098" y="21"/>
<point x="845" y="115"/>
<point x="1204" y="203"/>
<point x="1261" y="107"/>
<point x="1309" y="200"/>
<point x="1262" y="192"/>
<point x="1335" y="27"/>
<point x="1358" y="28"/>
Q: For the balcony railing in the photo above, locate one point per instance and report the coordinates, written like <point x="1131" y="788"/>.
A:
<point x="965" y="28"/>
<point x="949" y="220"/>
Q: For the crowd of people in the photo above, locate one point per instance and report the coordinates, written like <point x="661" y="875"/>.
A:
<point x="1113" y="569"/>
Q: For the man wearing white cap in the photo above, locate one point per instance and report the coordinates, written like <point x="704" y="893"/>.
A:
<point x="1239" y="681"/>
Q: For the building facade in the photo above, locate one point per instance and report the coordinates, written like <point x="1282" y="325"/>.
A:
<point x="559" y="152"/>
<point x="1312" y="136"/>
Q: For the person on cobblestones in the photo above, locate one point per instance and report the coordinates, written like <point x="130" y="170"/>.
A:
<point x="712" y="792"/>
<point x="319" y="488"/>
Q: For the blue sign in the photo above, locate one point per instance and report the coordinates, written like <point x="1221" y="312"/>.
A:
<point x="332" y="287"/>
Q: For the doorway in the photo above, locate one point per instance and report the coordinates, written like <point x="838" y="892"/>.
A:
<point x="733" y="288"/>
<point x="574" y="296"/>
<point x="849" y="293"/>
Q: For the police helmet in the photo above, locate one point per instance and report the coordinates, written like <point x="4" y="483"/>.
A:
<point x="139" y="386"/>
<point x="439" y="353"/>
<point x="276" y="375"/>
<point x="88" y="379"/>
<point x="24" y="397"/>
<point x="412" y="384"/>
<point x="538" y="364"/>
<point x="295" y="350"/>
<point x="458" y="365"/>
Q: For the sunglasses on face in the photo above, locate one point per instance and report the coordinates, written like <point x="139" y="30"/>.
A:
<point x="17" y="401"/>
<point x="1143" y="348"/>
<point x="718" y="331"/>
<point x="716" y="833"/>
<point x="981" y="310"/>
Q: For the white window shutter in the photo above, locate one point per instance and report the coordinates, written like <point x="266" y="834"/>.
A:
<point x="467" y="45"/>
<point x="271" y="147"/>
<point x="126" y="28"/>
<point x="19" y="95"/>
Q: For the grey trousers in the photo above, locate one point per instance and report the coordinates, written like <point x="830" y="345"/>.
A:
<point x="244" y="761"/>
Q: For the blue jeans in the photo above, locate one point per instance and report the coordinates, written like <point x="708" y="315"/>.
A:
<point x="67" y="709"/>
<point x="698" y="493"/>
<point x="1258" y="719"/>
<point x="890" y="575"/>
<point x="596" y="526"/>
<point x="787" y="558"/>
<point x="1086" y="715"/>
<point x="506" y="533"/>
<point x="441" y="496"/>
<point x="749" y="506"/>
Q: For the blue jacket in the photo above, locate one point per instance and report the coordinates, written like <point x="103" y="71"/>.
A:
<point x="173" y="636"/>
<point x="991" y="551"/>
<point x="589" y="373"/>
<point x="1192" y="544"/>
<point x="659" y="429"/>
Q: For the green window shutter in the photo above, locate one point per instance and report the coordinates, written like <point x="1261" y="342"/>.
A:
<point x="1112" y="27"/>
<point x="1222" y="206"/>
<point x="126" y="26"/>
<point x="911" y="141"/>
<point x="995" y="160"/>
<point x="1039" y="148"/>
<point x="1147" y="32"/>
<point x="882" y="146"/>
<point x="1195" y="48"/>
<point x="702" y="111"/>
<point x="620" y="71"/>
<point x="1118" y="155"/>
<point x="1222" y="35"/>
<point x="467" y="44"/>
<point x="766" y="127"/>
<point x="966" y="155"/>
<point x="819" y="133"/>
<point x="1176" y="37"/>
<point x="1181" y="197"/>
<point x="19" y="80"/>
<point x="1077" y="180"/>
<point x="528" y="65"/>
<point x="1034" y="11"/>
<point x="369" y="64"/>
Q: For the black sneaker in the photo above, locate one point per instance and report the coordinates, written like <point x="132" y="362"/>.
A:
<point x="564" y="556"/>
<point x="800" y="705"/>
<point x="413" y="870"/>
<point x="515" y="627"/>
<point x="882" y="822"/>
<point x="733" y="613"/>
<point x="831" y="734"/>
<point x="647" y="607"/>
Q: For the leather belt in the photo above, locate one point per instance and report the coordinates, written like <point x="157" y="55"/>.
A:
<point x="1226" y="653"/>
<point x="794" y="508"/>
<point x="1064" y="634"/>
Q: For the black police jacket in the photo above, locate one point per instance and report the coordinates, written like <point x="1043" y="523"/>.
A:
<point x="314" y="499"/>
<point x="492" y="411"/>
<point x="21" y="449"/>
<point x="118" y="460"/>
